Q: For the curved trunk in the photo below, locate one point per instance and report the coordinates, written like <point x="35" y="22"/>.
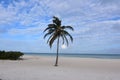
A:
<point x="56" y="63"/>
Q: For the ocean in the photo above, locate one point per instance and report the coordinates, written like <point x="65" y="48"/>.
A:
<point x="100" y="56"/>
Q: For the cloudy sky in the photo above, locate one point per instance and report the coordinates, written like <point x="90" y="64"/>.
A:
<point x="96" y="25"/>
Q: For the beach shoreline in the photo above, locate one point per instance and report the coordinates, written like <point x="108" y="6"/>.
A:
<point x="34" y="67"/>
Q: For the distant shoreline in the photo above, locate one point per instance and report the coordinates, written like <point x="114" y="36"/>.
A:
<point x="100" y="56"/>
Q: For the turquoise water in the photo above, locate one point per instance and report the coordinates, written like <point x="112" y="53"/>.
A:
<point x="102" y="56"/>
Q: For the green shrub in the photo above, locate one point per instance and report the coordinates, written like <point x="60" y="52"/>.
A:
<point x="12" y="55"/>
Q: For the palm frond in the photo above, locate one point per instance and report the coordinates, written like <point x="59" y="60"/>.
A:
<point x="66" y="33"/>
<point x="46" y="35"/>
<point x="67" y="27"/>
<point x="63" y="39"/>
<point x="66" y="39"/>
<point x="49" y="38"/>
<point x="52" y="40"/>
<point x="50" y="26"/>
<point x="49" y="32"/>
<point x="57" y="21"/>
<point x="46" y="29"/>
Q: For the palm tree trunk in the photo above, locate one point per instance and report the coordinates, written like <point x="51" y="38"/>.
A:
<point x="56" y="63"/>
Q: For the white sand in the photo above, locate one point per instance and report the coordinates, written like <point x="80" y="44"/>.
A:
<point x="41" y="68"/>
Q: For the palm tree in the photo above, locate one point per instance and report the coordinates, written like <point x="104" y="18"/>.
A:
<point x="56" y="31"/>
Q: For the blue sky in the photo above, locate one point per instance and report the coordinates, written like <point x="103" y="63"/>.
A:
<point x="96" y="24"/>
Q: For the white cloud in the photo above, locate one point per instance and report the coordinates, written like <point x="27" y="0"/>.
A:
<point x="22" y="12"/>
<point x="73" y="12"/>
<point x="7" y="15"/>
<point x="27" y="31"/>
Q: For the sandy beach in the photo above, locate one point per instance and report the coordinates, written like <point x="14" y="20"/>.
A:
<point x="70" y="68"/>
